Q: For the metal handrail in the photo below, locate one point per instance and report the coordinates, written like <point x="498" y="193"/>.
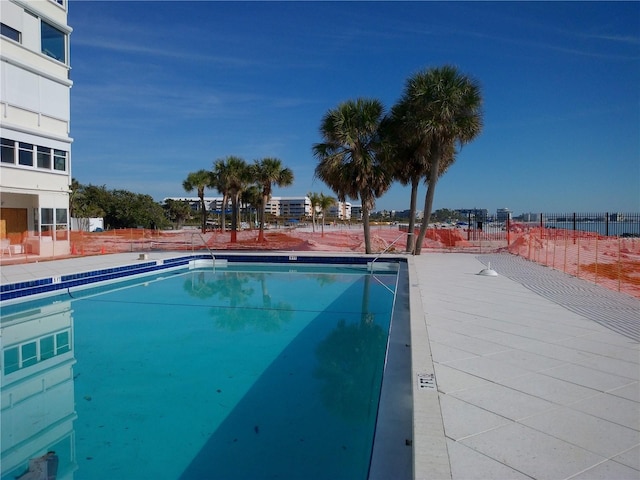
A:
<point x="205" y="244"/>
<point x="387" y="249"/>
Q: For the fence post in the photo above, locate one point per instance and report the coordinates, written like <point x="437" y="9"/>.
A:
<point x="555" y="245"/>
<point x="596" y="268"/>
<point x="546" y="248"/>
<point x="578" y="263"/>
<point x="619" y="263"/>
<point x="564" y="268"/>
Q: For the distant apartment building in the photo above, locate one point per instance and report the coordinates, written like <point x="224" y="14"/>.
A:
<point x="356" y="212"/>
<point x="290" y="207"/>
<point x="476" y="214"/>
<point x="281" y="207"/>
<point x="531" y="217"/>
<point x="340" y="211"/>
<point x="503" y="215"/>
<point x="35" y="169"/>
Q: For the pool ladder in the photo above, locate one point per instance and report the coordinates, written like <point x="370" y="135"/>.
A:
<point x="386" y="250"/>
<point x="206" y="246"/>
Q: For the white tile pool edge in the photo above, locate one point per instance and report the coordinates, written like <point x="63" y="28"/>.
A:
<point x="430" y="453"/>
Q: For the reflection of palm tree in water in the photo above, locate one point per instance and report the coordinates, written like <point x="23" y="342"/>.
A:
<point x="197" y="286"/>
<point x="349" y="364"/>
<point x="272" y="315"/>
<point x="239" y="312"/>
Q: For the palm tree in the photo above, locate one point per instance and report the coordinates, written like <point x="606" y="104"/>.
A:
<point x="234" y="176"/>
<point x="324" y="203"/>
<point x="266" y="173"/>
<point x="252" y="200"/>
<point x="314" y="199"/>
<point x="443" y="110"/>
<point x="220" y="183"/>
<point x="349" y="159"/>
<point x="409" y="153"/>
<point x="199" y="181"/>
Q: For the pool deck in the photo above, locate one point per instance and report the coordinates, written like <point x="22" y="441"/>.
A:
<point x="527" y="374"/>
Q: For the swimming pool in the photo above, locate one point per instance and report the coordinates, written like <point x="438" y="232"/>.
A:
<point x="238" y="372"/>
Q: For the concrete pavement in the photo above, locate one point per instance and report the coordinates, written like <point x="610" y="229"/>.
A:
<point x="530" y="384"/>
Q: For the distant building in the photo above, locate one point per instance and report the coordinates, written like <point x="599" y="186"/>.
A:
<point x="285" y="207"/>
<point x="476" y="214"/>
<point x="35" y="170"/>
<point x="503" y="214"/>
<point x="340" y="210"/>
<point x="290" y="207"/>
<point x="356" y="212"/>
<point x="531" y="217"/>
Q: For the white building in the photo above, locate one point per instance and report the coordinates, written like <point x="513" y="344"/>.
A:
<point x="284" y="207"/>
<point x="35" y="170"/>
<point x="340" y="210"/>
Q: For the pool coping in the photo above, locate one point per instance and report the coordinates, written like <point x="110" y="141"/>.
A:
<point x="54" y="284"/>
<point x="427" y="439"/>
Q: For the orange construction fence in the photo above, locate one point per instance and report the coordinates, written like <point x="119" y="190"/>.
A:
<point x="613" y="262"/>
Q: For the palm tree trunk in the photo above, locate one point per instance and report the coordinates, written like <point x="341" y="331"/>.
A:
<point x="265" y="198"/>
<point x="428" y="200"/>
<point x="234" y="218"/>
<point x="365" y="224"/>
<point x="223" y="215"/>
<point x="411" y="234"/>
<point x="366" y="300"/>
<point x="204" y="213"/>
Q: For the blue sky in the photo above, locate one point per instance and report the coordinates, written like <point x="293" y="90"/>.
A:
<point x="162" y="89"/>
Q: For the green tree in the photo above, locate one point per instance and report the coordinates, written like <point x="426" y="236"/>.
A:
<point x="266" y="173"/>
<point x="232" y="175"/>
<point x="199" y="181"/>
<point x="251" y="199"/>
<point x="83" y="206"/>
<point x="350" y="159"/>
<point x="314" y="198"/>
<point x="444" y="109"/>
<point x="325" y="201"/>
<point x="408" y="149"/>
<point x="177" y="211"/>
<point x="219" y="182"/>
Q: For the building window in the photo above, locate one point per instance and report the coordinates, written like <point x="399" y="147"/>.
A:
<point x="11" y="360"/>
<point x="52" y="41"/>
<point x="46" y="219"/>
<point x="33" y="352"/>
<point x="44" y="157"/>
<point x="59" y="160"/>
<point x="25" y="154"/>
<point x="8" y="149"/>
<point x="47" y="347"/>
<point x="29" y="354"/>
<point x="61" y="218"/>
<point x="63" y="344"/>
<point x="12" y="33"/>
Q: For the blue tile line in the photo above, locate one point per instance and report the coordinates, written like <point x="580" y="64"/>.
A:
<point x="46" y="285"/>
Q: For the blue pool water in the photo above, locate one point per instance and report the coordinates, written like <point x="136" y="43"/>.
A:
<point x="233" y="373"/>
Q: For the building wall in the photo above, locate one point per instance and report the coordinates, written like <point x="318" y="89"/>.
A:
<point x="35" y="171"/>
